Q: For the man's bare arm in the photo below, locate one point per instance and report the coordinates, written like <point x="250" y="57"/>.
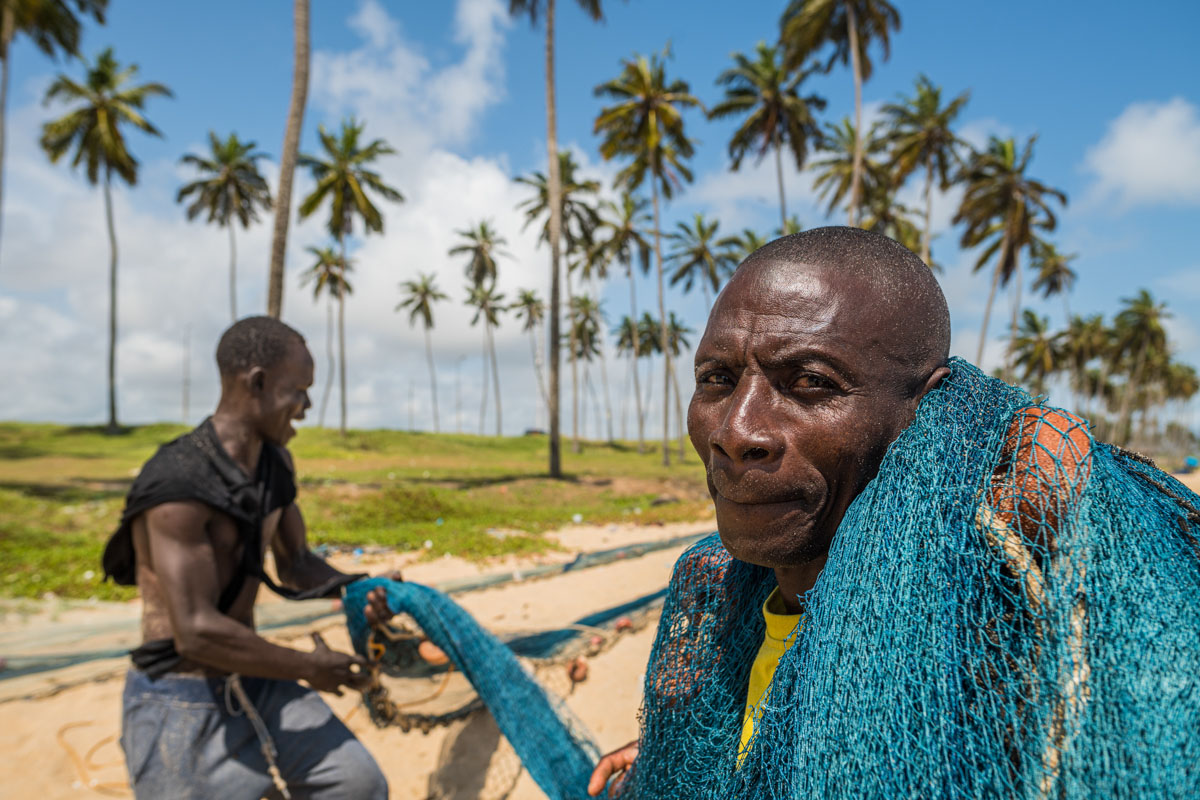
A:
<point x="297" y="566"/>
<point x="183" y="559"/>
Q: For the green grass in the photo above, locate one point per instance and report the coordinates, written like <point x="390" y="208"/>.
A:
<point x="62" y="490"/>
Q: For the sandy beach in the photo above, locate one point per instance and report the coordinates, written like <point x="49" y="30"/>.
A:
<point x="58" y="730"/>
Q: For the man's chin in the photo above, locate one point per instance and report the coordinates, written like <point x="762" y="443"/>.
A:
<point x="784" y="540"/>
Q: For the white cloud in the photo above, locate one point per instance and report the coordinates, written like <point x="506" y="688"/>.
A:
<point x="173" y="274"/>
<point x="1150" y="154"/>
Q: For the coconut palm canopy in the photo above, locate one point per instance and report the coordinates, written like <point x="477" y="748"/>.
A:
<point x="441" y="105"/>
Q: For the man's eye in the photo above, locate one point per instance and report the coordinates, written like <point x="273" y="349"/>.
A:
<point x="714" y="379"/>
<point x="811" y="381"/>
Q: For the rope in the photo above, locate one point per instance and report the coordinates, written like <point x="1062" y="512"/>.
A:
<point x="233" y="685"/>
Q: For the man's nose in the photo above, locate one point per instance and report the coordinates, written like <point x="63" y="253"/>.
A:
<point x="748" y="434"/>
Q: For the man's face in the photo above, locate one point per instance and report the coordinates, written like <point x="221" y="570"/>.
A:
<point x="284" y="394"/>
<point x="798" y="395"/>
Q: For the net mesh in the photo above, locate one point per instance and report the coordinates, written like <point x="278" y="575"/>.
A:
<point x="1008" y="609"/>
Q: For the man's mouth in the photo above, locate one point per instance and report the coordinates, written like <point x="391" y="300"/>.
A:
<point x="743" y="494"/>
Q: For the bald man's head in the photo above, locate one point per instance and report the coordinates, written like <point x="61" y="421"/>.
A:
<point x="882" y="272"/>
<point x="815" y="358"/>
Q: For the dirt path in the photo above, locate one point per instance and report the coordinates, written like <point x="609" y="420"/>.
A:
<point x="61" y="742"/>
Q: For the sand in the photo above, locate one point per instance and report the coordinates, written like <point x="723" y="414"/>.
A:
<point x="58" y="737"/>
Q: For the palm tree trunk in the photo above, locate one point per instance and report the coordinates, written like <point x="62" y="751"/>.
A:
<point x="1012" y="327"/>
<point x="7" y="32"/>
<point x="664" y="333"/>
<point x="287" y="158"/>
<point x="679" y="426"/>
<point x="1123" y="415"/>
<point x="342" y="338"/>
<point x="927" y="240"/>
<point x="987" y="310"/>
<point x="113" y="427"/>
<point x="495" y="376"/>
<point x="232" y="273"/>
<point x="554" y="197"/>
<point x="857" y="168"/>
<point x="608" y="415"/>
<point x="329" y="356"/>
<point x="537" y="366"/>
<point x="637" y="389"/>
<point x="432" y="380"/>
<point x="576" y="447"/>
<point x="483" y="392"/>
<point x="782" y="198"/>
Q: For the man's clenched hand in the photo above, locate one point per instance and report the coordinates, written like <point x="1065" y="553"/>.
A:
<point x="329" y="670"/>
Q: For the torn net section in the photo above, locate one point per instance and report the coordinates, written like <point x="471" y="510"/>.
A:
<point x="1009" y="609"/>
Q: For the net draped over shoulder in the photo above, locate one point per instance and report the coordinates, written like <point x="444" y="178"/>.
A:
<point x="1008" y="609"/>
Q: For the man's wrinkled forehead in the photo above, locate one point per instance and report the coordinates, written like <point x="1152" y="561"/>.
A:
<point x="840" y="307"/>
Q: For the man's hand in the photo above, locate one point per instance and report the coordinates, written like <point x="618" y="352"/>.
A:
<point x="330" y="670"/>
<point x="615" y="763"/>
<point x="377" y="611"/>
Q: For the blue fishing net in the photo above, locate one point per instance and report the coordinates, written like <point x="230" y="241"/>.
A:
<point x="1009" y="609"/>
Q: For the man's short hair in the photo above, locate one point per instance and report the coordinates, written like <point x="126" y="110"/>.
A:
<point x="898" y="274"/>
<point x="254" y="342"/>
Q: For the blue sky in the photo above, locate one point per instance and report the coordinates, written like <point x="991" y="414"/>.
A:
<point x="457" y="88"/>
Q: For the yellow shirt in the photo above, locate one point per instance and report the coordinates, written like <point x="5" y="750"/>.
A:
<point x="776" y="642"/>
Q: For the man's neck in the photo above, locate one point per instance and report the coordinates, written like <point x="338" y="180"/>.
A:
<point x="239" y="438"/>
<point x="796" y="580"/>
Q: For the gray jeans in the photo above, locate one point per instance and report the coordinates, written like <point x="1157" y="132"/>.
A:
<point x="180" y="741"/>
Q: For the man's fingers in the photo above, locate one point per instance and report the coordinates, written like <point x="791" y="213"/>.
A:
<point x="600" y="776"/>
<point x="612" y="763"/>
<point x="319" y="642"/>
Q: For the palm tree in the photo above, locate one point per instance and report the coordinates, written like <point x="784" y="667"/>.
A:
<point x="103" y="103"/>
<point x="741" y="245"/>
<point x="920" y="136"/>
<point x="836" y="174"/>
<point x="1139" y="334"/>
<point x="531" y="311"/>
<point x="232" y="188"/>
<point x="484" y="245"/>
<point x="849" y="27"/>
<point x="578" y="222"/>
<point x="1085" y="340"/>
<point x="532" y="7"/>
<point x="578" y="217"/>
<point x="288" y="156"/>
<point x="884" y="214"/>
<point x="328" y="275"/>
<point x="678" y="337"/>
<point x="775" y="112"/>
<point x="587" y="318"/>
<point x="700" y="255"/>
<point x="52" y="26"/>
<point x="629" y="342"/>
<point x="645" y="123"/>
<point x="1003" y="209"/>
<point x="488" y="305"/>
<point x="1037" y="351"/>
<point x="343" y="179"/>
<point x="793" y="225"/>
<point x="622" y="239"/>
<point x="419" y="297"/>
<point x="1053" y="271"/>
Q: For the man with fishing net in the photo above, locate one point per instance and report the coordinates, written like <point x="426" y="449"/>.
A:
<point x="925" y="584"/>
<point x="211" y="709"/>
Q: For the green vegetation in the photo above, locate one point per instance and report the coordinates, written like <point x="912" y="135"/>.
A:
<point x="62" y="490"/>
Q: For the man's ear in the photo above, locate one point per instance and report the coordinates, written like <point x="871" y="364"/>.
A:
<point x="256" y="379"/>
<point x="930" y="384"/>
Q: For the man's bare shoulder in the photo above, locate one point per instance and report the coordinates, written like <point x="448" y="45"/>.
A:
<point x="182" y="519"/>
